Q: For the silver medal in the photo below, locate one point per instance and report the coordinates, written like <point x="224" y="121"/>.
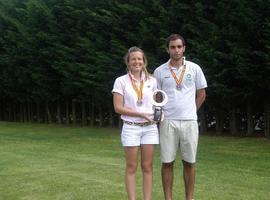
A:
<point x="139" y="102"/>
<point x="178" y="87"/>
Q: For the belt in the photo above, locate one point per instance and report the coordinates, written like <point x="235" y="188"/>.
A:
<point x="139" y="123"/>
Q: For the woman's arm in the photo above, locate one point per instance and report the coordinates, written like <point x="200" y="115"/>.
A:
<point x="118" y="103"/>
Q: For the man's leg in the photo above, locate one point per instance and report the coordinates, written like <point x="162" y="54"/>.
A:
<point x="189" y="178"/>
<point x="167" y="179"/>
<point x="188" y="146"/>
<point x="169" y="144"/>
<point x="131" y="167"/>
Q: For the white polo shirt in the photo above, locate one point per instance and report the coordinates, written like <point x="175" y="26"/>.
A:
<point x="123" y="86"/>
<point x="181" y="103"/>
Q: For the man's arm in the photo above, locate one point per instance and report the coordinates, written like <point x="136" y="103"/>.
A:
<point x="200" y="97"/>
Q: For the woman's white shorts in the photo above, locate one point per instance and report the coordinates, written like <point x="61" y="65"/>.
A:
<point x="133" y="135"/>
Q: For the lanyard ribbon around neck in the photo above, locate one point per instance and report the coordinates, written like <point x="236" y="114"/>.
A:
<point x="178" y="81"/>
<point x="136" y="89"/>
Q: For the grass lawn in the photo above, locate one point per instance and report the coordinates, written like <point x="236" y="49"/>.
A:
<point x="57" y="162"/>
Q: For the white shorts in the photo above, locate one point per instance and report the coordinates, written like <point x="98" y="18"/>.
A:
<point x="176" y="134"/>
<point x="133" y="135"/>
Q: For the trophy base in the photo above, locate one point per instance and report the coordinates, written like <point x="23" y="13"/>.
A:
<point x="158" y="114"/>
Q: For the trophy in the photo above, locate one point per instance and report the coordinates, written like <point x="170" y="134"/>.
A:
<point x="158" y="100"/>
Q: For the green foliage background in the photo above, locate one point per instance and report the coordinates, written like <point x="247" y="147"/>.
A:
<point x="57" y="51"/>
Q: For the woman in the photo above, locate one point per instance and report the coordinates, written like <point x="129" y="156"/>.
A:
<point x="131" y="98"/>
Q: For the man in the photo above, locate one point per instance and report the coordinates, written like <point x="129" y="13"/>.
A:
<point x="184" y="83"/>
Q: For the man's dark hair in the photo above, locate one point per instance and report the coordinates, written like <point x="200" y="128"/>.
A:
<point x="173" y="37"/>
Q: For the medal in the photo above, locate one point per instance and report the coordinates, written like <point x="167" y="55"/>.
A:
<point x="139" y="102"/>
<point x="178" y="87"/>
<point x="137" y="90"/>
<point x="178" y="81"/>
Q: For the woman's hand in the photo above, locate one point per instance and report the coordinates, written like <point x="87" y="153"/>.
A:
<point x="118" y="102"/>
<point x="147" y="116"/>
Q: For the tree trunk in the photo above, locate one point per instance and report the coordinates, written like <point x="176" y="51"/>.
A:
<point x="5" y="112"/>
<point x="25" y="112"/>
<point x="49" y="117"/>
<point x="14" y="112"/>
<point x="250" y="120"/>
<point x="267" y="117"/>
<point x="202" y="120"/>
<point x="73" y="110"/>
<point x="1" y="109"/>
<point x="100" y="114"/>
<point x="29" y="112"/>
<point x="59" y="118"/>
<point x="219" y="121"/>
<point x="92" y="111"/>
<point x="111" y="118"/>
<point x="84" y="120"/>
<point x="67" y="111"/>
<point x="38" y="112"/>
<point x="21" y="112"/>
<point x="9" y="113"/>
<point x="233" y="121"/>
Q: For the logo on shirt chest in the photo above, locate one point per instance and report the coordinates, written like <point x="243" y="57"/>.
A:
<point x="189" y="77"/>
<point x="188" y="80"/>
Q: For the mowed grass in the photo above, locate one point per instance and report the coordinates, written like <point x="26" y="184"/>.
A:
<point x="59" y="162"/>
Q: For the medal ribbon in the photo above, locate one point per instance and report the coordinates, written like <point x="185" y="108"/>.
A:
<point x="138" y="92"/>
<point x="178" y="81"/>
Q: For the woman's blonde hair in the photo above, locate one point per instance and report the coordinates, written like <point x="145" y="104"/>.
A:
<point x="135" y="49"/>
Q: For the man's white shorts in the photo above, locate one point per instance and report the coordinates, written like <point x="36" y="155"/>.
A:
<point x="176" y="134"/>
<point x="133" y="135"/>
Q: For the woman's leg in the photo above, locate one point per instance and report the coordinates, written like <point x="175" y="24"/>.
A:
<point x="147" y="154"/>
<point x="131" y="154"/>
